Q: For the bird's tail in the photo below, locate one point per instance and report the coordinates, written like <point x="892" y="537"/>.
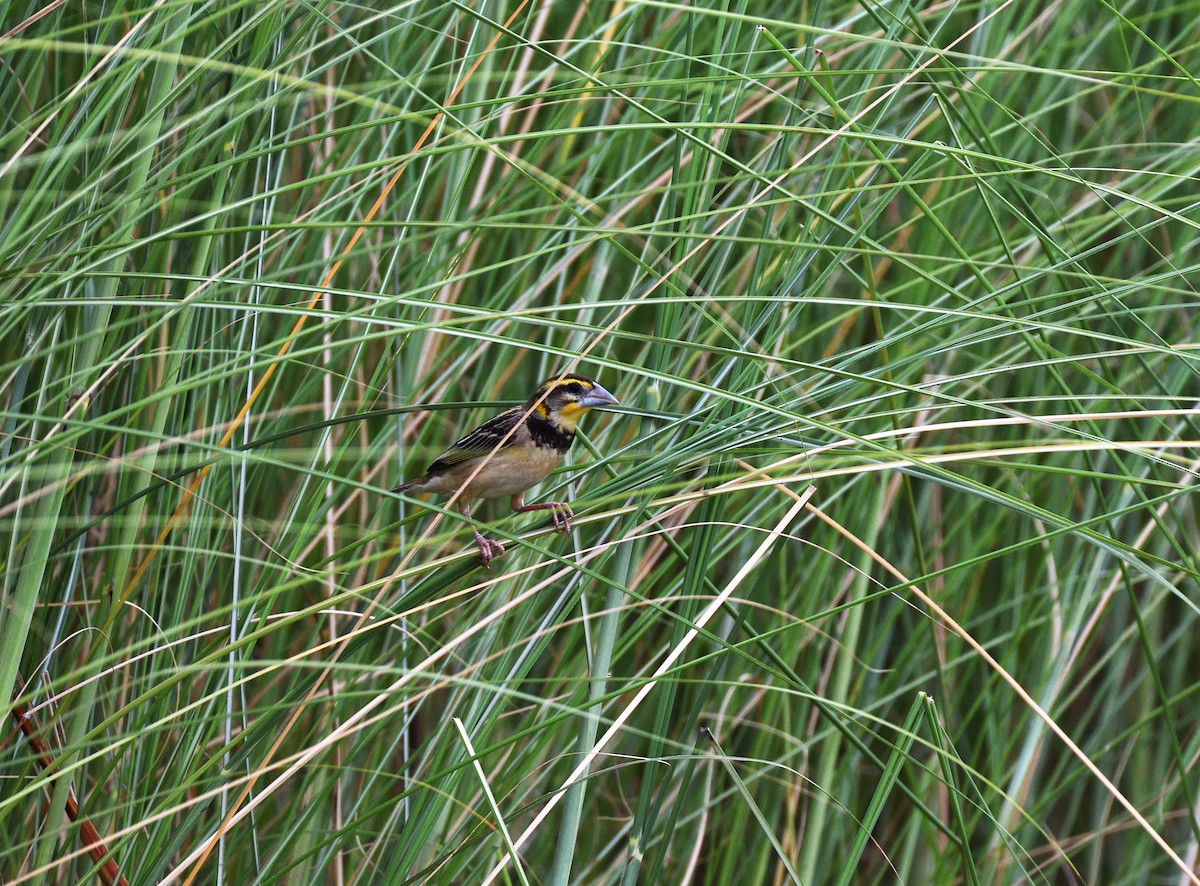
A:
<point x="414" y="484"/>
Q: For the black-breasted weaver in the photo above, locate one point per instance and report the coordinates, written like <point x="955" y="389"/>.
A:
<point x="538" y="436"/>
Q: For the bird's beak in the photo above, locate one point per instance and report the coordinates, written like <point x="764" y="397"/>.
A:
<point x="597" y="396"/>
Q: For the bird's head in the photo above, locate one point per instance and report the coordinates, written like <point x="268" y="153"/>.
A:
<point x="563" y="401"/>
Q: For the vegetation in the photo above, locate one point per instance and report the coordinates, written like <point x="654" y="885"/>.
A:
<point x="884" y="570"/>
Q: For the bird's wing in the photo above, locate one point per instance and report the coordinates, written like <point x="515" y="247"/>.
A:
<point x="482" y="440"/>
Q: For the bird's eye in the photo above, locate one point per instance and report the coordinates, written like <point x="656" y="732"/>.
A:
<point x="573" y="388"/>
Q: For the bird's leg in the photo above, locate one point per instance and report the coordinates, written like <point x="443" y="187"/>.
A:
<point x="488" y="549"/>
<point x="560" y="511"/>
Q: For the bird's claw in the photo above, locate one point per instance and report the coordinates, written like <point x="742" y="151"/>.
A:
<point x="562" y="515"/>
<point x="489" y="550"/>
<point x="560" y="512"/>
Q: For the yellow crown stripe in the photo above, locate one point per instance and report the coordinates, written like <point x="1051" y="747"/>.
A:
<point x="569" y="380"/>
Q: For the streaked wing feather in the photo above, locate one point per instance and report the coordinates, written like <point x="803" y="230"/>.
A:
<point x="480" y="441"/>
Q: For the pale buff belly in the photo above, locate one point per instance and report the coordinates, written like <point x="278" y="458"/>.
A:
<point x="505" y="474"/>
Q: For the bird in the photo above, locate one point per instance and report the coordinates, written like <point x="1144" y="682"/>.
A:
<point x="532" y="441"/>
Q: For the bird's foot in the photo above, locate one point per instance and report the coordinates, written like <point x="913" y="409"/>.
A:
<point x="560" y="512"/>
<point x="562" y="515"/>
<point x="488" y="550"/>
